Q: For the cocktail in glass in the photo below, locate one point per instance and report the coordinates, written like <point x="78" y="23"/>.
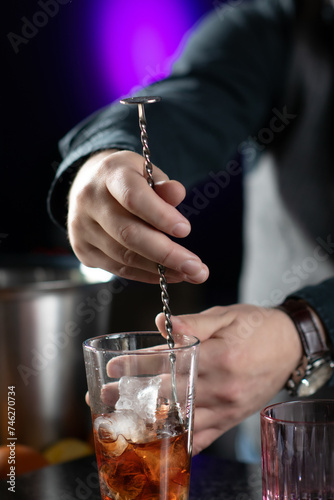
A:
<point x="142" y="427"/>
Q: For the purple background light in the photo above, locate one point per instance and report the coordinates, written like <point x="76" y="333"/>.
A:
<point x="134" y="43"/>
<point x="89" y="54"/>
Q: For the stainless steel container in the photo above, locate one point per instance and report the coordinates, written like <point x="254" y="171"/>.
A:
<point x="45" y="314"/>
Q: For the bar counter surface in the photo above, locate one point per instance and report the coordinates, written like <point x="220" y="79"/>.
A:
<point x="211" y="479"/>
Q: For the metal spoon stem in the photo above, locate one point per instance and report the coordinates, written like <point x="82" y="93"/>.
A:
<point x="148" y="173"/>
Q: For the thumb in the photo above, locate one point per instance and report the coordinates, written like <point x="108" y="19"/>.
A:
<point x="179" y="326"/>
<point x="201" y="325"/>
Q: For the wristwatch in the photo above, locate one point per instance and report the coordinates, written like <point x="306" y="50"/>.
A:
<point x="316" y="366"/>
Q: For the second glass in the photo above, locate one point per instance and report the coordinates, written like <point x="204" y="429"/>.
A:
<point x="142" y="427"/>
<point x="298" y="450"/>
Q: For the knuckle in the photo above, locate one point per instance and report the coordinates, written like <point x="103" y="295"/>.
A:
<point x="128" y="257"/>
<point x="130" y="199"/>
<point x="129" y="234"/>
<point x="126" y="272"/>
<point x="84" y="256"/>
<point x="233" y="393"/>
<point x="84" y="251"/>
<point x="167" y="257"/>
<point x="74" y="225"/>
<point x="133" y="274"/>
<point x="217" y="310"/>
<point x="105" y="164"/>
<point x="87" y="255"/>
<point x="78" y="244"/>
<point x="230" y="358"/>
<point x="84" y="194"/>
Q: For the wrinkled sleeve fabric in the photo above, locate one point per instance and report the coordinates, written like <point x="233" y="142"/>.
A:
<point x="221" y="91"/>
<point x="321" y="299"/>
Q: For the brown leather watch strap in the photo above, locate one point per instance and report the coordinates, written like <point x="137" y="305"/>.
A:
<point x="313" y="341"/>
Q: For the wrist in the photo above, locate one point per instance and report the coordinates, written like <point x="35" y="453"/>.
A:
<point x="315" y="366"/>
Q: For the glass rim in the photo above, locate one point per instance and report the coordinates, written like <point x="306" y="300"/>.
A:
<point x="194" y="342"/>
<point x="307" y="402"/>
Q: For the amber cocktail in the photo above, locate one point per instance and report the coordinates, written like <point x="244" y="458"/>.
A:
<point x="143" y="436"/>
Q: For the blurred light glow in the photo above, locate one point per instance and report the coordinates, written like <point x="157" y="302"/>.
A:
<point x="95" y="274"/>
<point x="134" y="41"/>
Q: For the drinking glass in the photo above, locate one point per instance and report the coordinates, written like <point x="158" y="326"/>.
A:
<point x="297" y="441"/>
<point x="141" y="395"/>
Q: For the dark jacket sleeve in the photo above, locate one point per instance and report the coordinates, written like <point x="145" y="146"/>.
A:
<point x="321" y="299"/>
<point x="221" y="91"/>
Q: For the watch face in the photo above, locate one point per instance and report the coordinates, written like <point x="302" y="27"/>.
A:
<point x="315" y="380"/>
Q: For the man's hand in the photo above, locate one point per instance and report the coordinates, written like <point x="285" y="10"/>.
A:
<point x="117" y="222"/>
<point x="247" y="353"/>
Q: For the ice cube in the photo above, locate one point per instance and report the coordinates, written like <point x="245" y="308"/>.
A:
<point x="113" y="445"/>
<point x="169" y="421"/>
<point x="116" y="448"/>
<point x="139" y="394"/>
<point x="104" y="429"/>
<point x="125" y="423"/>
<point x="128" y="482"/>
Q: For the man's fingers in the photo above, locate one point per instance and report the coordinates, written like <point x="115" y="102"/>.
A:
<point x="138" y="364"/>
<point x="172" y="192"/>
<point x="130" y="188"/>
<point x="116" y="259"/>
<point x="136" y="237"/>
<point x="203" y="325"/>
<point x="118" y="222"/>
<point x="110" y="394"/>
<point x="96" y="258"/>
<point x="146" y="364"/>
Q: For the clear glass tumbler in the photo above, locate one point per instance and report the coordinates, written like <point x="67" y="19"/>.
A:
<point x="297" y="440"/>
<point x="142" y="420"/>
